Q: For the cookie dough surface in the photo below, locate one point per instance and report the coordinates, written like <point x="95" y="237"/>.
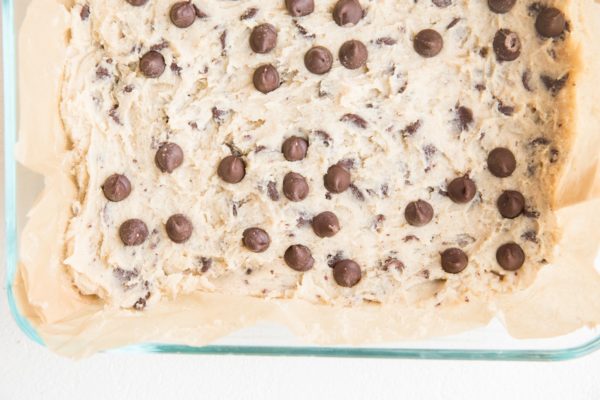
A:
<point x="404" y="126"/>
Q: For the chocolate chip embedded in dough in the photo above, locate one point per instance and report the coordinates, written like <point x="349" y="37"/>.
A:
<point x="179" y="228"/>
<point x="441" y="3"/>
<point x="183" y="14"/>
<point x="300" y="8"/>
<point x="347" y="12"/>
<point x="263" y="38"/>
<point x="511" y="204"/>
<point x="465" y="117"/>
<point x="507" y="45"/>
<point x="454" y="260"/>
<point x="428" y="43"/>
<point x="137" y="3"/>
<point x="116" y="187"/>
<point x="295" y="187"/>
<point x="462" y="190"/>
<point x="133" y="232"/>
<point x="418" y="213"/>
<point x="232" y="169"/>
<point x="347" y="273"/>
<point x="550" y="22"/>
<point x="318" y="60"/>
<point x="353" y="54"/>
<point x="169" y="157"/>
<point x="299" y="258"/>
<point x="152" y="64"/>
<point x="256" y="240"/>
<point x="501" y="162"/>
<point x="337" y="179"/>
<point x="501" y="6"/>
<point x="294" y="148"/>
<point x="266" y="78"/>
<point x="326" y="224"/>
<point x="510" y="256"/>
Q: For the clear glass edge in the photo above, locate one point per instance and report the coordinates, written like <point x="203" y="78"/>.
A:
<point x="11" y="243"/>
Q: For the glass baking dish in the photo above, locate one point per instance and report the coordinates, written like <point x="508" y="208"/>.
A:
<point x="21" y="187"/>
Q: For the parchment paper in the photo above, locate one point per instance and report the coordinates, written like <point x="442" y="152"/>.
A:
<point x="565" y="296"/>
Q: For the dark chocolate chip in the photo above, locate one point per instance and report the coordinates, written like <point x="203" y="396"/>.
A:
<point x="152" y="64"/>
<point x="299" y="258"/>
<point x="501" y="6"/>
<point x="85" y="12"/>
<point x="183" y="14"/>
<point x="263" y="38"/>
<point x="266" y="78"/>
<point x="169" y="157"/>
<point x="347" y="273"/>
<point x="256" y="240"/>
<point x="249" y="13"/>
<point x="232" y="169"/>
<point x="326" y="224"/>
<point x="355" y="119"/>
<point x="318" y="60"/>
<point x="353" y="54"/>
<point x="511" y="204"/>
<point x="441" y="3"/>
<point x="554" y="85"/>
<point x="137" y="3"/>
<point x="179" y="228"/>
<point x="300" y="8"/>
<point x="295" y="187"/>
<point x="272" y="191"/>
<point x="507" y="45"/>
<point x="462" y="190"/>
<point x="386" y="41"/>
<point x="550" y="22"/>
<point x="133" y="232"/>
<point x="418" y="213"/>
<point x="465" y="117"/>
<point x="501" y="162"/>
<point x="454" y="260"/>
<point x="294" y="148"/>
<point x="116" y="187"/>
<point x="337" y="179"/>
<point x="510" y="256"/>
<point x="428" y="43"/>
<point x="347" y="12"/>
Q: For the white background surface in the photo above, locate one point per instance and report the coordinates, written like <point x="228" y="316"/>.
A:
<point x="29" y="372"/>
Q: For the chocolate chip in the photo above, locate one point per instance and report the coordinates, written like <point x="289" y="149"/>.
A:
<point x="232" y="169"/>
<point x="337" y="179"/>
<point x="355" y="119"/>
<point x="356" y="192"/>
<point x="266" y="78"/>
<point x="179" y="228"/>
<point x="133" y="232"/>
<point x="506" y="110"/>
<point x="263" y="38"/>
<point x="294" y="148"/>
<point x="510" y="256"/>
<point x="428" y="43"/>
<point x="152" y="64"/>
<point x="300" y="8"/>
<point x="454" y="260"/>
<point x="554" y="85"/>
<point x="326" y="224"/>
<point x="441" y="3"/>
<point x="353" y="54"/>
<point x="183" y="14"/>
<point x="418" y="213"/>
<point x="386" y="41"/>
<point x="347" y="12"/>
<point x="511" y="204"/>
<point x="272" y="191"/>
<point x="137" y="3"/>
<point x="507" y="45"/>
<point x="256" y="240"/>
<point x="462" y="190"/>
<point x="318" y="60"/>
<point x="465" y="117"/>
<point x="295" y="187"/>
<point x="501" y="6"/>
<point x="85" y="12"/>
<point x="168" y="157"/>
<point x="347" y="273"/>
<point x="299" y="258"/>
<point x="249" y="13"/>
<point x="501" y="162"/>
<point x="116" y="187"/>
<point x="550" y="22"/>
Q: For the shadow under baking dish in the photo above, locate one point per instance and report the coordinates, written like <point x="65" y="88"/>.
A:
<point x="488" y="343"/>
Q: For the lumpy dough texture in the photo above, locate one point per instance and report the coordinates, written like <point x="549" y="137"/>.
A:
<point x="400" y="124"/>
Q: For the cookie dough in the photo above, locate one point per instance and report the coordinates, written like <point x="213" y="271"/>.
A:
<point x="337" y="152"/>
